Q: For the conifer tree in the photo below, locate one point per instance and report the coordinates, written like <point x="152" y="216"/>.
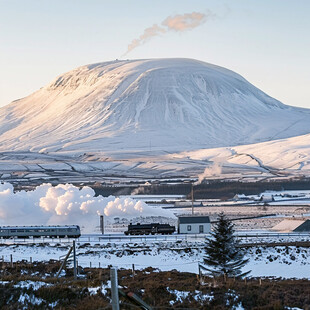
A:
<point x="222" y="256"/>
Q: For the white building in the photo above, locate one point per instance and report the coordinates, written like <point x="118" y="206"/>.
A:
<point x="194" y="225"/>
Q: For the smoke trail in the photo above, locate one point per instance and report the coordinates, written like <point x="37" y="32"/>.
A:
<point x="66" y="204"/>
<point x="214" y="170"/>
<point x="148" y="33"/>
<point x="185" y="22"/>
<point x="179" y="23"/>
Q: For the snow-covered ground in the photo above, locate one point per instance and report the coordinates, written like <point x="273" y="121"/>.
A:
<point x="152" y="118"/>
<point x="164" y="252"/>
<point x="274" y="160"/>
<point x="182" y="255"/>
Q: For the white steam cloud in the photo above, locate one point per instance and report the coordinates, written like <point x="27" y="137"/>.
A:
<point x="66" y="204"/>
<point x="178" y="23"/>
<point x="186" y="21"/>
<point x="214" y="170"/>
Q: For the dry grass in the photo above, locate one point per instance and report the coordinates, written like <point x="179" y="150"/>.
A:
<point x="158" y="289"/>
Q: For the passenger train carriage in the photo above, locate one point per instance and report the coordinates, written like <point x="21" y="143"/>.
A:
<point x="70" y="231"/>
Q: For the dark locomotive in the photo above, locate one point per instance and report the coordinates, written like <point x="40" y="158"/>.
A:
<point x="150" y="229"/>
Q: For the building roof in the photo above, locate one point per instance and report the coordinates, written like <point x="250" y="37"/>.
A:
<point x="304" y="227"/>
<point x="289" y="225"/>
<point x="194" y="219"/>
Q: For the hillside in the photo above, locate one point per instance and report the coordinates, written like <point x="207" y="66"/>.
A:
<point x="164" y="105"/>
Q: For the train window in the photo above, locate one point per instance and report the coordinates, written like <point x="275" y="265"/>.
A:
<point x="189" y="227"/>
<point x="13" y="230"/>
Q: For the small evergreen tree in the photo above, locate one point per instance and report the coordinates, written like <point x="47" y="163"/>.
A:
<point x="223" y="257"/>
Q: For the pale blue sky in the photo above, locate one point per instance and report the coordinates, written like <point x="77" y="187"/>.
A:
<point x="266" y="41"/>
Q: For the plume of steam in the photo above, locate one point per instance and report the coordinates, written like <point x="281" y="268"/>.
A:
<point x="179" y="23"/>
<point x="65" y="204"/>
<point x="213" y="170"/>
<point x="148" y="33"/>
<point x="184" y="22"/>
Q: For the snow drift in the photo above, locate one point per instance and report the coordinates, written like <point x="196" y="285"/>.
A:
<point x="146" y="105"/>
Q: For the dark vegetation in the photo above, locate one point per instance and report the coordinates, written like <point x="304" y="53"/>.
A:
<point x="212" y="189"/>
<point x="206" y="190"/>
<point x="223" y="257"/>
<point x="158" y="289"/>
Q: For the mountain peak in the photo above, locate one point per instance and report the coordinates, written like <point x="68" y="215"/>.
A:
<point x="158" y="104"/>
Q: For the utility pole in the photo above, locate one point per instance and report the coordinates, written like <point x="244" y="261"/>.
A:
<point x="74" y="261"/>
<point x="192" y="199"/>
<point x="114" y="288"/>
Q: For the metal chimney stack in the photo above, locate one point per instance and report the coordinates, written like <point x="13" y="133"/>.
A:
<point x="102" y="224"/>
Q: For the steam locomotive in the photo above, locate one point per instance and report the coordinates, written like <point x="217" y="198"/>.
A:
<point x="72" y="231"/>
<point x="147" y="229"/>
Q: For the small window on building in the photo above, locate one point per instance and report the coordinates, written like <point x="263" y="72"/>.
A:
<point x="189" y="227"/>
<point x="200" y="229"/>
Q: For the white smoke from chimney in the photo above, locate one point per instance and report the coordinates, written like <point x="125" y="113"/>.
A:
<point x="179" y="23"/>
<point x="212" y="171"/>
<point x="148" y="33"/>
<point x="185" y="22"/>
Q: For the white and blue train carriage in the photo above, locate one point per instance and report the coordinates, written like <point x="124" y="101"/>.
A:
<point x="69" y="231"/>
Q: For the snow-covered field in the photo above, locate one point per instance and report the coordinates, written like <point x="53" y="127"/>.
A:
<point x="64" y="202"/>
<point x="286" y="262"/>
<point x="274" y="160"/>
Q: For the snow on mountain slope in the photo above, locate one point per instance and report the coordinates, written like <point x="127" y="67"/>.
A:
<point x="279" y="158"/>
<point x="160" y="105"/>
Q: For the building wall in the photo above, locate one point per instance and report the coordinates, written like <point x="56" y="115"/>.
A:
<point x="194" y="228"/>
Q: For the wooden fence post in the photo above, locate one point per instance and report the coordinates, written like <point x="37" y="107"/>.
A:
<point x="133" y="270"/>
<point x="74" y="261"/>
<point x="114" y="288"/>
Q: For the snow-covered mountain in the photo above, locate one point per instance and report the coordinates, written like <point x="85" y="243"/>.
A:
<point x="168" y="105"/>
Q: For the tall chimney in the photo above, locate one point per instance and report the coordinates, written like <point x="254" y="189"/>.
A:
<point x="102" y="224"/>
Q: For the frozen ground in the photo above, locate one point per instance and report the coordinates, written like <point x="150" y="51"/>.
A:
<point x="280" y="159"/>
<point x="182" y="255"/>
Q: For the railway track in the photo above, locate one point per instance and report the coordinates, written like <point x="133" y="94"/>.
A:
<point x="246" y="239"/>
